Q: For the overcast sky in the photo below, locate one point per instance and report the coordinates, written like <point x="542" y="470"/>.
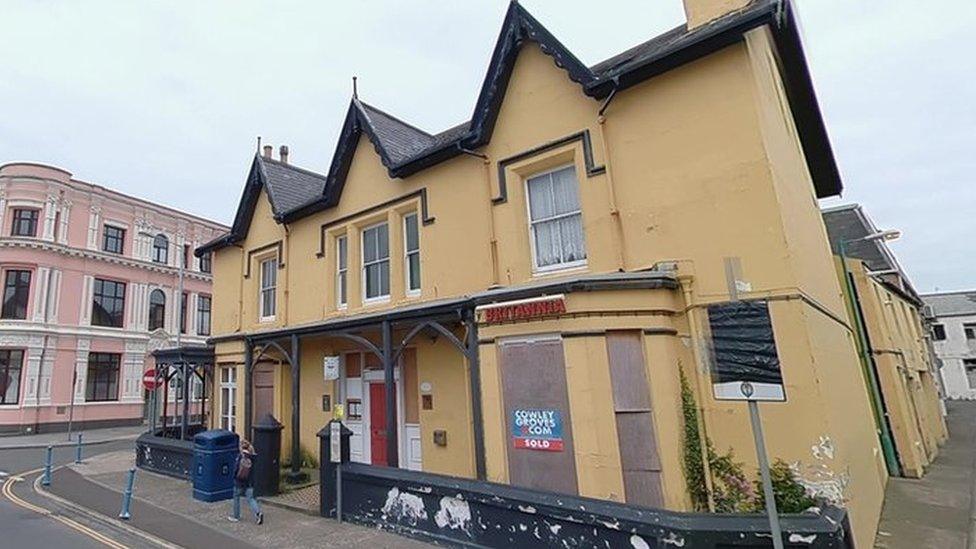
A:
<point x="164" y="100"/>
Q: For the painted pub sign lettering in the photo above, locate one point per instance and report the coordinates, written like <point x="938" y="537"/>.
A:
<point x="522" y="310"/>
<point x="538" y="430"/>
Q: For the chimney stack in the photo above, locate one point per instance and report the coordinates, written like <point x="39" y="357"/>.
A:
<point x="283" y="153"/>
<point x="699" y="12"/>
<point x="267" y="151"/>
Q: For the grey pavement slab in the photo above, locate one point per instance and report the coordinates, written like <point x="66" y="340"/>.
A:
<point x="90" y="436"/>
<point x="935" y="511"/>
<point x="171" y="502"/>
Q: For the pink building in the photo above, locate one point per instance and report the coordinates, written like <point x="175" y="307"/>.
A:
<point x="90" y="281"/>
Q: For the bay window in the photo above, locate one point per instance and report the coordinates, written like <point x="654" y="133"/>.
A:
<point x="25" y="222"/>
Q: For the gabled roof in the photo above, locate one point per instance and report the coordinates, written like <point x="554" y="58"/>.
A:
<point x="850" y="224"/>
<point x="405" y="149"/>
<point x="288" y="187"/>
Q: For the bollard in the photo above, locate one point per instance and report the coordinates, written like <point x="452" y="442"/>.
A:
<point x="127" y="495"/>
<point x="78" y="452"/>
<point x="46" y="481"/>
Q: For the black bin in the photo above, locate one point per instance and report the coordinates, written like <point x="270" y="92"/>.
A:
<point x="327" y="469"/>
<point x="267" y="464"/>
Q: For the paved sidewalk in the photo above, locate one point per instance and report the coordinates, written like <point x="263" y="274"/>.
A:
<point x="164" y="507"/>
<point x="91" y="436"/>
<point x="935" y="511"/>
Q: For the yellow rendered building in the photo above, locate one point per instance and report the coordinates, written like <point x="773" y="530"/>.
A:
<point x="552" y="259"/>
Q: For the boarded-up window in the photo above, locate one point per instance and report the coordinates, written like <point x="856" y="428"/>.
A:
<point x="534" y="382"/>
<point x="634" y="418"/>
<point x="410" y="388"/>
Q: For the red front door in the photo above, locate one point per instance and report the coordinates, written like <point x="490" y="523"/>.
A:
<point x="377" y="422"/>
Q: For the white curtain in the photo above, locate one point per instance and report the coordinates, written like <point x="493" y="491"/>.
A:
<point x="557" y="222"/>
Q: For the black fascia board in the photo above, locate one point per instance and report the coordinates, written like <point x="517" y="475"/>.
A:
<point x="802" y="97"/>
<point x="245" y="211"/>
<point x="518" y="27"/>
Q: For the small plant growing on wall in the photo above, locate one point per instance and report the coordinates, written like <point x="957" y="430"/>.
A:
<point x="732" y="491"/>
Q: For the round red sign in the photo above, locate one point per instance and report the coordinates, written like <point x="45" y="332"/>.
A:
<point x="149" y="379"/>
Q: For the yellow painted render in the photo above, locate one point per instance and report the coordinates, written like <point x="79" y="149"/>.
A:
<point x="904" y="370"/>
<point x="705" y="165"/>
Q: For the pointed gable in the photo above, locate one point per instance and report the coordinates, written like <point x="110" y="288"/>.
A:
<point x="405" y="149"/>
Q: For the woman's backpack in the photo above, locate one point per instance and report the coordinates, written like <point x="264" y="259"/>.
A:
<point x="244" y="467"/>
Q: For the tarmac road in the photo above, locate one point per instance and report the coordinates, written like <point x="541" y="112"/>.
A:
<point x="22" y="527"/>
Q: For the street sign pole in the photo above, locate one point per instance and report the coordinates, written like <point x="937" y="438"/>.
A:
<point x="767" y="481"/>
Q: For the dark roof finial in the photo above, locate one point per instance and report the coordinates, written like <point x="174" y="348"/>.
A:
<point x="355" y="90"/>
<point x="259" y="143"/>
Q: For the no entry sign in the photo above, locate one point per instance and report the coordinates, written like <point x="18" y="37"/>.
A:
<point x="149" y="379"/>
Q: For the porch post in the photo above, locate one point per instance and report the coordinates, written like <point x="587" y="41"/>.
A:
<point x="392" y="444"/>
<point x="248" y="390"/>
<point x="184" y="423"/>
<point x="471" y="352"/>
<point x="296" y="451"/>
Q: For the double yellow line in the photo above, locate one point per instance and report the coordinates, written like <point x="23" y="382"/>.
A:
<point x="8" y="492"/>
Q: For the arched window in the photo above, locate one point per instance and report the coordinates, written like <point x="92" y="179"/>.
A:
<point x="161" y="249"/>
<point x="157" y="310"/>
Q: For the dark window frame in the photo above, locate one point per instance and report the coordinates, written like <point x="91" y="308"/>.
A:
<point x="184" y="306"/>
<point x="160" y="249"/>
<point x="938" y="332"/>
<point x="102" y="315"/>
<point x="102" y="380"/>
<point x="21" y="226"/>
<point x="204" y="314"/>
<point x="157" y="310"/>
<point x="969" y="330"/>
<point x="206" y="264"/>
<point x="6" y="366"/>
<point x="113" y="243"/>
<point x="17" y="292"/>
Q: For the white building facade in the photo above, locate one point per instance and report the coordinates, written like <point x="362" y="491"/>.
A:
<point x="953" y="321"/>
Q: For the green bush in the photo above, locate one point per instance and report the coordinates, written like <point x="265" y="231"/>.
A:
<point x="731" y="490"/>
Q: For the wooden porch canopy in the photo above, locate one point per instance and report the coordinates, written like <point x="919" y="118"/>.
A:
<point x="183" y="363"/>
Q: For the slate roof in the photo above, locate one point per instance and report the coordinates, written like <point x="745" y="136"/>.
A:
<point x="848" y="223"/>
<point x="961" y="303"/>
<point x="289" y="186"/>
<point x="405" y="149"/>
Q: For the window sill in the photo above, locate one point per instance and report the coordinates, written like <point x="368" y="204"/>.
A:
<point x="266" y="319"/>
<point x="376" y="301"/>
<point x="413" y="294"/>
<point x="564" y="268"/>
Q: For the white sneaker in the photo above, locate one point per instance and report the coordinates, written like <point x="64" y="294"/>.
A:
<point x="233" y="519"/>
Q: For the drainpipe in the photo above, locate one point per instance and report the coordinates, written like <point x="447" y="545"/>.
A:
<point x="700" y="381"/>
<point x="618" y="232"/>
<point x="869" y="368"/>
<point x="492" y="241"/>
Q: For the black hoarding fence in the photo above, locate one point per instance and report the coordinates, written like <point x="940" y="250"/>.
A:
<point x="469" y="513"/>
<point x="743" y="346"/>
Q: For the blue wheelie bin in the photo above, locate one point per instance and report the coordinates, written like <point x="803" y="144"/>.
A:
<point x="214" y="455"/>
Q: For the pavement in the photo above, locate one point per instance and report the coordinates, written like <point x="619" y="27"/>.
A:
<point x="936" y="511"/>
<point x="29" y="520"/>
<point x="164" y="508"/>
<point x="90" y="436"/>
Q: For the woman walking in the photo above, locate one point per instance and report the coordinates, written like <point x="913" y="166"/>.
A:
<point x="244" y="483"/>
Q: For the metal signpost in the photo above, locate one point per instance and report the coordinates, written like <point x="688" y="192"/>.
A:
<point x="151" y="382"/>
<point x="745" y="366"/>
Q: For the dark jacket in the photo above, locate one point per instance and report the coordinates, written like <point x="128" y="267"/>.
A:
<point x="249" y="481"/>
